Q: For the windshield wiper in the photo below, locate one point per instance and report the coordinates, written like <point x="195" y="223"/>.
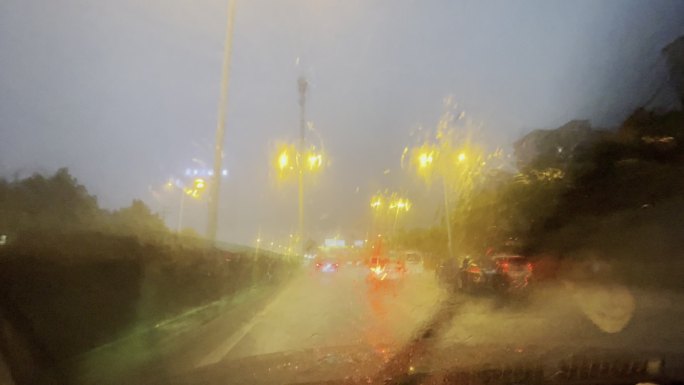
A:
<point x="399" y="369"/>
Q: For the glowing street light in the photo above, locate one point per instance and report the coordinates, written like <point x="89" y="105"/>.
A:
<point x="398" y="205"/>
<point x="292" y="161"/>
<point x="283" y="160"/>
<point x="425" y="159"/>
<point x="299" y="158"/>
<point x="199" y="184"/>
<point x="195" y="191"/>
<point x="385" y="204"/>
<point x="314" y="161"/>
<point x="458" y="166"/>
<point x="289" y="161"/>
<point x="286" y="159"/>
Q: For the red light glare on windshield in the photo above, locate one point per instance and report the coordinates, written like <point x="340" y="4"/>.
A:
<point x="505" y="266"/>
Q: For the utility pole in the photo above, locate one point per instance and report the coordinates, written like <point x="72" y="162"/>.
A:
<point x="303" y="85"/>
<point x="215" y="186"/>
<point x="181" y="208"/>
<point x="447" y="216"/>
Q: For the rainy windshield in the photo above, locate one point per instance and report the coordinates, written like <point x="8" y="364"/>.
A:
<point x="341" y="191"/>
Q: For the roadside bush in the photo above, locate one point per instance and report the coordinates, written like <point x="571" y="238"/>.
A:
<point x="81" y="290"/>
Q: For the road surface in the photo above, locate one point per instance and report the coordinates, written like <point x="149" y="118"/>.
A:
<point x="323" y="310"/>
<point x="334" y="309"/>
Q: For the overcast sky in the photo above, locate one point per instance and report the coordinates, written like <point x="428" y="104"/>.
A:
<point x="124" y="93"/>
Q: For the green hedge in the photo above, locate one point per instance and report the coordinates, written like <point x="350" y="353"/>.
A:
<point x="81" y="290"/>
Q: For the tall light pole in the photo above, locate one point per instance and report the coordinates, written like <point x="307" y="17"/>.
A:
<point x="298" y="158"/>
<point x="303" y="85"/>
<point x="181" y="208"/>
<point x="447" y="217"/>
<point x="398" y="205"/>
<point x="212" y="225"/>
<point x="386" y="204"/>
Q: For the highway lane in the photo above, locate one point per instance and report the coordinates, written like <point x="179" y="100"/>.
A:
<point x="321" y="312"/>
<point x="335" y="309"/>
<point x="340" y="309"/>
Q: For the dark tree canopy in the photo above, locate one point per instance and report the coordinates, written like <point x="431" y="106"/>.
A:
<point x="58" y="203"/>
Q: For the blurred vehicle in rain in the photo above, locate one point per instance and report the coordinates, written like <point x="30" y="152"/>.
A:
<point x="447" y="271"/>
<point x="500" y="274"/>
<point x="385" y="269"/>
<point x="414" y="262"/>
<point x="326" y="265"/>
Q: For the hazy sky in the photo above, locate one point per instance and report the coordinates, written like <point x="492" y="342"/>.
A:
<point x="124" y="92"/>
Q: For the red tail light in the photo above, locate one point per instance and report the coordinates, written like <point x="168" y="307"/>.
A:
<point x="530" y="267"/>
<point x="505" y="266"/>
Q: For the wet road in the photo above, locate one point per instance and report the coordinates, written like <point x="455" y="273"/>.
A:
<point x="334" y="309"/>
<point x="323" y="312"/>
<point x="340" y="309"/>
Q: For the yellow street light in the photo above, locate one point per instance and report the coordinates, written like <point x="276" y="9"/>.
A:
<point x="283" y="160"/>
<point x="376" y="202"/>
<point x="387" y="208"/>
<point x="291" y="161"/>
<point x="314" y="161"/>
<point x="297" y="160"/>
<point x="461" y="157"/>
<point x="425" y="159"/>
<point x="400" y="204"/>
<point x="194" y="191"/>
<point x="198" y="186"/>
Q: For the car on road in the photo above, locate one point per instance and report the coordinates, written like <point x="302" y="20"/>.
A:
<point x="414" y="263"/>
<point x="501" y="273"/>
<point x="383" y="268"/>
<point x="326" y="265"/>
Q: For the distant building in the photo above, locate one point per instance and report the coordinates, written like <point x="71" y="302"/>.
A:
<point x="335" y="243"/>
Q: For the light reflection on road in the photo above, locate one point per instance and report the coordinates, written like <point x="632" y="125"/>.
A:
<point x="319" y="310"/>
<point x="338" y="309"/>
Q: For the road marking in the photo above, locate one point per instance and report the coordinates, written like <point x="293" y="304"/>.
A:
<point x="222" y="350"/>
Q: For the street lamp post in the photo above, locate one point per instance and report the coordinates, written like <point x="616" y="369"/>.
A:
<point x="376" y="204"/>
<point x="447" y="215"/>
<point x="303" y="85"/>
<point x="181" y="207"/>
<point x="456" y="166"/>
<point x="212" y="225"/>
<point x="385" y="204"/>
<point x="291" y="160"/>
<point x="398" y="205"/>
<point x="299" y="158"/>
<point x="430" y="161"/>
